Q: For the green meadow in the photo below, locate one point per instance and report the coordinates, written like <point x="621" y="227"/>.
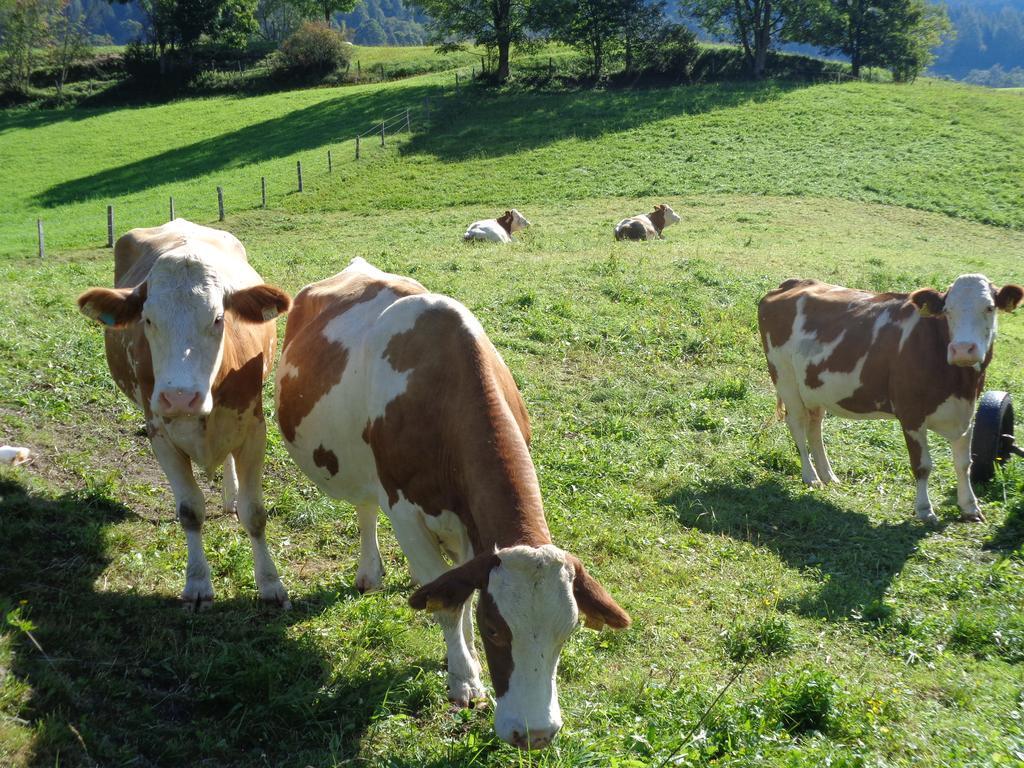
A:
<point x="852" y="634"/>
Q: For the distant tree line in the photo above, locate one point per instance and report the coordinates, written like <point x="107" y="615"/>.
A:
<point x="898" y="35"/>
<point x="989" y="35"/>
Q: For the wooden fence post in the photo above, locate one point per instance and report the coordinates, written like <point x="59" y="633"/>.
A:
<point x="298" y="167"/>
<point x="456" y="83"/>
<point x="330" y="162"/>
<point x="110" y="226"/>
<point x="359" y="70"/>
<point x="357" y="147"/>
<point x="42" y="244"/>
<point x="382" y="133"/>
<point x="408" y="120"/>
<point x="220" y="202"/>
<point x="263" y="190"/>
<point x="172" y="208"/>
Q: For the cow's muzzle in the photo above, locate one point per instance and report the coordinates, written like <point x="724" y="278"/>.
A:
<point x="179" y="402"/>
<point x="963" y="354"/>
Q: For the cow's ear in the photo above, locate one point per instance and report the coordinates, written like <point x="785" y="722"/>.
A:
<point x="1009" y="297"/>
<point x="929" y="302"/>
<point x="114" y="307"/>
<point x="258" y="303"/>
<point x="453" y="588"/>
<point x="594" y="602"/>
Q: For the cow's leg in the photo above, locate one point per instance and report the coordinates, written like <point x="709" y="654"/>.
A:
<point x="191" y="510"/>
<point x="797" y="415"/>
<point x="230" y="486"/>
<point x="371" y="569"/>
<point x="961" y="448"/>
<point x="921" y="464"/>
<point x="817" y="446"/>
<point x="426" y="563"/>
<point x="253" y="515"/>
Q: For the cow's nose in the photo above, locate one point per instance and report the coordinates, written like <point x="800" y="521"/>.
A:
<point x="964" y="353"/>
<point x="537" y="738"/>
<point x="179" y="401"/>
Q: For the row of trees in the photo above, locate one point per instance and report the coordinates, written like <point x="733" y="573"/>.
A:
<point x="898" y="35"/>
<point x="51" y="33"/>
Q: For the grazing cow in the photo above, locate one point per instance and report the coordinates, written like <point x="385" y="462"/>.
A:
<point x="646" y="226"/>
<point x="497" y="230"/>
<point x="392" y="397"/>
<point x="190" y="341"/>
<point x="919" y="358"/>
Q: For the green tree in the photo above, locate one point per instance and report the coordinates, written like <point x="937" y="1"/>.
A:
<point x="899" y="34"/>
<point x="757" y="25"/>
<point x="498" y="23"/>
<point x="24" y="32"/>
<point x="69" y="41"/>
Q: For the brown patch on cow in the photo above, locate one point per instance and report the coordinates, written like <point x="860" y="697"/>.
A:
<point x="505" y="220"/>
<point x="929" y="302"/>
<point x="457" y="438"/>
<point x="325" y="458"/>
<point x="114" y="307"/>
<point x="915" y="451"/>
<point x="238" y="384"/>
<point x="366" y="432"/>
<point x="776" y="312"/>
<point x="188" y="518"/>
<point x="497" y="638"/>
<point x="124" y="347"/>
<point x="657" y="217"/>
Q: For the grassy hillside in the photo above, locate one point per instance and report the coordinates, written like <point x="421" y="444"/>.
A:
<point x="868" y="638"/>
<point x="933" y="146"/>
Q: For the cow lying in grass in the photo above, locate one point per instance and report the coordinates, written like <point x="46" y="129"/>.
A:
<point x="919" y="358"/>
<point x="392" y="397"/>
<point x="190" y="340"/>
<point x="497" y="230"/>
<point x="646" y="226"/>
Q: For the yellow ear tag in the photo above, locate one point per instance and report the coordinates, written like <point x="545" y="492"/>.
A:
<point x="435" y="605"/>
<point x="591" y="623"/>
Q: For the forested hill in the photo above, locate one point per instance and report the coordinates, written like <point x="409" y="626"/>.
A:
<point x="988" y="49"/>
<point x="989" y="41"/>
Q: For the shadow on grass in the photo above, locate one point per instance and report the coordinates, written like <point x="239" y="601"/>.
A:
<point x="318" y="125"/>
<point x="854" y="559"/>
<point x="126" y="678"/>
<point x="478" y="123"/>
<point x="1009" y="537"/>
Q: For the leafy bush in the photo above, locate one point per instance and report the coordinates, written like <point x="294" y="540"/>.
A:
<point x="745" y="641"/>
<point x="671" y="50"/>
<point x="140" y="61"/>
<point x="313" y="49"/>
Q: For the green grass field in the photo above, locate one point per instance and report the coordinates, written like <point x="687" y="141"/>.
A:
<point x="864" y="637"/>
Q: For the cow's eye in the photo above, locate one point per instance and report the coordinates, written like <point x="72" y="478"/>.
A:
<point x="219" y="320"/>
<point x="990" y="309"/>
<point x="148" y="321"/>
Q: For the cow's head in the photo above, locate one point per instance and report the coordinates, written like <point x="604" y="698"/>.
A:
<point x="969" y="307"/>
<point x="530" y="601"/>
<point x="519" y="221"/>
<point x="183" y="306"/>
<point x="671" y="217"/>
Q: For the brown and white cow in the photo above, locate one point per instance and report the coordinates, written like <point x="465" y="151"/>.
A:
<point x="497" y="230"/>
<point x="919" y="358"/>
<point x="190" y="341"/>
<point x="392" y="397"/>
<point x="647" y="226"/>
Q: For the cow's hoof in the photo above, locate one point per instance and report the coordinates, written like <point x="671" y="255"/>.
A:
<point x="463" y="695"/>
<point x="972" y="516"/>
<point x="369" y="582"/>
<point x="832" y="480"/>
<point x="274" y="594"/>
<point x="197" y="596"/>
<point x="927" y="516"/>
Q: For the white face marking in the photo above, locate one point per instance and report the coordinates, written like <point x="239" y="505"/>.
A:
<point x="671" y="217"/>
<point x="971" y="313"/>
<point x="519" y="221"/>
<point x="183" y="319"/>
<point x="532" y="589"/>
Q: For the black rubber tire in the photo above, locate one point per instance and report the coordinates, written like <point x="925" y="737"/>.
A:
<point x="993" y="420"/>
